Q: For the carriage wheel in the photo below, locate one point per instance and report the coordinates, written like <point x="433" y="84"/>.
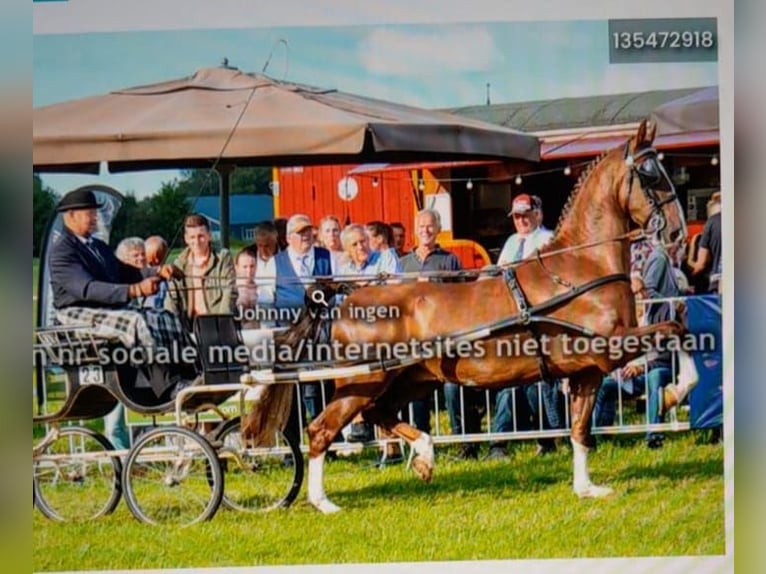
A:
<point x="75" y="478"/>
<point x="172" y="476"/>
<point x="259" y="478"/>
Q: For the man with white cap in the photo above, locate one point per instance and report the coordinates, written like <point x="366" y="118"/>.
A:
<point x="530" y="235"/>
<point x="526" y="211"/>
<point x="301" y="259"/>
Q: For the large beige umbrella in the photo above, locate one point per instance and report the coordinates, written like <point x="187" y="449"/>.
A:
<point x="249" y="119"/>
<point x="223" y="118"/>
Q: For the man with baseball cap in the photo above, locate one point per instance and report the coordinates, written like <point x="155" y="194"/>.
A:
<point x="91" y="285"/>
<point x="526" y="211"/>
<point x="300" y="260"/>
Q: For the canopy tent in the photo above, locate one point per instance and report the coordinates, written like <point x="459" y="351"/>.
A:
<point x="222" y="118"/>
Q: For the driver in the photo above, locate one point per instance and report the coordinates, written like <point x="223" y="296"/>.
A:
<point x="91" y="286"/>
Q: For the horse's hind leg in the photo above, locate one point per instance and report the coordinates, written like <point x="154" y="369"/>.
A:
<point x="400" y="393"/>
<point x="323" y="430"/>
<point x="422" y="443"/>
<point x="583" y="387"/>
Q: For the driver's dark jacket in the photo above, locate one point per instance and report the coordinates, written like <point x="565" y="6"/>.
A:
<point x="79" y="279"/>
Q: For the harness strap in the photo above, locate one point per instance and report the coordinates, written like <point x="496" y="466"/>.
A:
<point x="526" y="313"/>
<point x="541" y="364"/>
<point x="518" y="295"/>
<point x="524" y="318"/>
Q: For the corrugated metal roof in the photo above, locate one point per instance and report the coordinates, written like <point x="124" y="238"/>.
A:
<point x="566" y="113"/>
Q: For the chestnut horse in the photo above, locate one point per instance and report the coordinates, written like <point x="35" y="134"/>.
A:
<point x="577" y="286"/>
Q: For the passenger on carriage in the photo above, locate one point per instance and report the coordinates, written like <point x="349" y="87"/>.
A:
<point x="132" y="251"/>
<point x="91" y="286"/>
<point x="531" y="235"/>
<point x="156" y="249"/>
<point x="207" y="285"/>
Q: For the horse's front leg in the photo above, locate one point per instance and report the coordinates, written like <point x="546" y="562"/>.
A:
<point x="322" y="431"/>
<point x="583" y="387"/>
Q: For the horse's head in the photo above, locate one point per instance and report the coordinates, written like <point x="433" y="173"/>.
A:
<point x="650" y="196"/>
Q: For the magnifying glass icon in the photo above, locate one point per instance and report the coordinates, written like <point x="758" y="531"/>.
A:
<point x="318" y="297"/>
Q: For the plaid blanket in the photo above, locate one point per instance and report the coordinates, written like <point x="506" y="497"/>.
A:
<point x="150" y="328"/>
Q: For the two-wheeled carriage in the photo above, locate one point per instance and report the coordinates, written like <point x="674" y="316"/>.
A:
<point x="173" y="473"/>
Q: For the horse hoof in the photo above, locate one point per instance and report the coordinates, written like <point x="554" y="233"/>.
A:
<point x="325" y="506"/>
<point x="593" y="491"/>
<point x="422" y="468"/>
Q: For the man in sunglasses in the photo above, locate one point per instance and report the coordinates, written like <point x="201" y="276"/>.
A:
<point x="527" y="214"/>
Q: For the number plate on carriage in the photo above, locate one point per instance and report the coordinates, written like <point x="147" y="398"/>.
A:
<point x="91" y="375"/>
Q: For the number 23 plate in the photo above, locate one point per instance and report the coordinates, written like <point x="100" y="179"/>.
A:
<point x="91" y="375"/>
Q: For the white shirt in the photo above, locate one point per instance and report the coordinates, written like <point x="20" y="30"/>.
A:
<point x="295" y="260"/>
<point x="266" y="280"/>
<point x="337" y="259"/>
<point x="534" y="240"/>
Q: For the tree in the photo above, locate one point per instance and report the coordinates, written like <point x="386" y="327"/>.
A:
<point x="44" y="202"/>
<point x="132" y="220"/>
<point x="166" y="211"/>
<point x="244" y="180"/>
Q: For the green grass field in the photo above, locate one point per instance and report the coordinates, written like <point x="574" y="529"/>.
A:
<point x="668" y="502"/>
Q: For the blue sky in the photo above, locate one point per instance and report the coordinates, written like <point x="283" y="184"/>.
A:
<point x="435" y="65"/>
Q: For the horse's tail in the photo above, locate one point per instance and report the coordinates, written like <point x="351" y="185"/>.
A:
<point x="269" y="413"/>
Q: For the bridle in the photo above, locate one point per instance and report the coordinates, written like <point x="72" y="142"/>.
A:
<point x="645" y="165"/>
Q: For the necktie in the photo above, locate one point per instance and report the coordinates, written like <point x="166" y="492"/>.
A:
<point x="92" y="248"/>
<point x="519" y="251"/>
<point x="304" y="270"/>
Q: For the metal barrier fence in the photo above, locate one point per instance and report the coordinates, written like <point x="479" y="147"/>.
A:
<point x="629" y="418"/>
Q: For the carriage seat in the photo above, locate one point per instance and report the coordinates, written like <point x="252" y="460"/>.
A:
<point x="220" y="349"/>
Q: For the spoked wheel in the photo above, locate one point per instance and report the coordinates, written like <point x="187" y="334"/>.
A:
<point x="75" y="478"/>
<point x="172" y="476"/>
<point x="258" y="478"/>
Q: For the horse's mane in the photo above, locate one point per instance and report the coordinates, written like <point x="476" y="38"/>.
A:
<point x="305" y="328"/>
<point x="576" y="190"/>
